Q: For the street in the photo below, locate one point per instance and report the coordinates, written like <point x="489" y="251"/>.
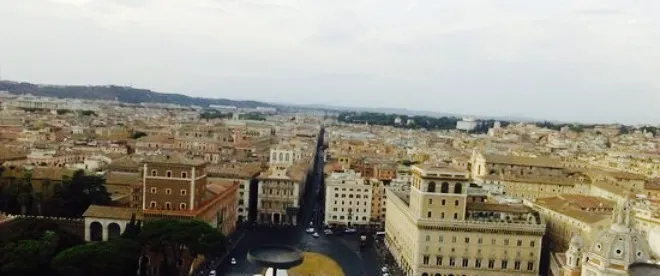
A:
<point x="344" y="249"/>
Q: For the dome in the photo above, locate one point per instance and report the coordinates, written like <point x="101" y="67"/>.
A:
<point x="577" y="242"/>
<point x="620" y="245"/>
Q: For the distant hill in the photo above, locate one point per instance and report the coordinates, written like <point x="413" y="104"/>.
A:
<point x="120" y="93"/>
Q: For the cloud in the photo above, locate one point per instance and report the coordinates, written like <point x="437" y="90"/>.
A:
<point x="475" y="56"/>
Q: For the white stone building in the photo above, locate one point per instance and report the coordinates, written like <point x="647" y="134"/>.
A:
<point x="348" y="199"/>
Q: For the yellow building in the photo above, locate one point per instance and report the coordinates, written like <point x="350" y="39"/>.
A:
<point x="438" y="229"/>
<point x="568" y="215"/>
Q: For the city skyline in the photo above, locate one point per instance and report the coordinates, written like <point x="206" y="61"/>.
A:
<point x="594" y="61"/>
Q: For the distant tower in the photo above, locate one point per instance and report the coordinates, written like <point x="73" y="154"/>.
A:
<point x="574" y="253"/>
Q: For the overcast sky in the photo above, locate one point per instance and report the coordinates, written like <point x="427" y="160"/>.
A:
<point x="574" y="60"/>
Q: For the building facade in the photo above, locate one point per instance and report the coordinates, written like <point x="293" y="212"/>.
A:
<point x="437" y="228"/>
<point x="348" y="199"/>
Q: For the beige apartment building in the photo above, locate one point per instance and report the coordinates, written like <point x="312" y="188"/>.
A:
<point x="568" y="215"/>
<point x="348" y="199"/>
<point x="437" y="228"/>
<point x="280" y="192"/>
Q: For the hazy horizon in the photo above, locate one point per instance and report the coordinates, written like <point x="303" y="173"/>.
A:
<point x="588" y="61"/>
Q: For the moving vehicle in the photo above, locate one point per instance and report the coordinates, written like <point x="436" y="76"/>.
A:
<point x="212" y="273"/>
<point x="233" y="261"/>
<point x="316" y="235"/>
<point x="350" y="230"/>
<point x="309" y="230"/>
<point x="327" y="231"/>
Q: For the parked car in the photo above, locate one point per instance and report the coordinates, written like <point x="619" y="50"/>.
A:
<point x="327" y="231"/>
<point x="316" y="235"/>
<point x="309" y="230"/>
<point x="350" y="230"/>
<point x="212" y="273"/>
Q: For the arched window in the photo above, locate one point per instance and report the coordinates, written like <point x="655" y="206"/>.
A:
<point x="154" y="172"/>
<point x="458" y="188"/>
<point x="184" y="175"/>
<point x="281" y="157"/>
<point x="168" y="205"/>
<point x="169" y="173"/>
<point x="444" y="188"/>
<point x="182" y="206"/>
<point x="152" y="205"/>
<point x="425" y="274"/>
<point x="114" y="231"/>
<point x="431" y="187"/>
<point x="287" y="157"/>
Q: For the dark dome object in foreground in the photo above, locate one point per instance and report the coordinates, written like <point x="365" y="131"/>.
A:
<point x="275" y="256"/>
<point x="644" y="269"/>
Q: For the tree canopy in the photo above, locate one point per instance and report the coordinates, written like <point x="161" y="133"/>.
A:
<point x="172" y="238"/>
<point x="78" y="192"/>
<point x="29" y="257"/>
<point x="110" y="258"/>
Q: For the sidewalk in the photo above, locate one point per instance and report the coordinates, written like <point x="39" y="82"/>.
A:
<point x="388" y="259"/>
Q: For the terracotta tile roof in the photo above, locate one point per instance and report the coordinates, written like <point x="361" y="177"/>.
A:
<point x="97" y="211"/>
<point x="123" y="178"/>
<point x="546" y="162"/>
<point x="51" y="173"/>
<point x="173" y="158"/>
<point x="653" y="184"/>
<point x="218" y="187"/>
<point x="235" y="170"/>
<point x="587" y="209"/>
<point x="125" y="162"/>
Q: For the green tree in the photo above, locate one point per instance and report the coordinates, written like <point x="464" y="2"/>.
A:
<point x="138" y="134"/>
<point x="115" y="257"/>
<point x="133" y="229"/>
<point x="80" y="191"/>
<point x="171" y="238"/>
<point x="29" y="257"/>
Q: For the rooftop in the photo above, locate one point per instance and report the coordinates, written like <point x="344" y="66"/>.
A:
<point x="173" y="159"/>
<point x="588" y="209"/>
<point x="546" y="162"/>
<point x="97" y="211"/>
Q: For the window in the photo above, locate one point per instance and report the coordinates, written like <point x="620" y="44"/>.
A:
<point x="491" y="264"/>
<point x="428" y="238"/>
<point x="453" y="239"/>
<point x="184" y="175"/>
<point x="430" y="201"/>
<point x="168" y="173"/>
<point x="506" y="241"/>
<point x="458" y="188"/>
<point x="444" y="188"/>
<point x="505" y="264"/>
<point x="532" y="243"/>
<point x="443" y="202"/>
<point x="467" y="240"/>
<point x="428" y="215"/>
<point x="168" y="205"/>
<point x="519" y="243"/>
<point x="492" y="241"/>
<point x="440" y="239"/>
<point x="442" y="215"/>
<point x="516" y="265"/>
<point x="452" y="261"/>
<point x="455" y="215"/>
<point x="438" y="260"/>
<point x="183" y="192"/>
<point x="477" y="263"/>
<point x="152" y="204"/>
<point x="182" y="206"/>
<point x="480" y="241"/>
<point x="154" y="190"/>
<point x="456" y="202"/>
<point x="154" y="172"/>
<point x="426" y="259"/>
<point x="530" y="266"/>
<point x="466" y="262"/>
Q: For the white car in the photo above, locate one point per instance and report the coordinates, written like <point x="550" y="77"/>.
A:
<point x="327" y="232"/>
<point x="233" y="261"/>
<point x="350" y="230"/>
<point x="212" y="273"/>
<point x="316" y="235"/>
<point x="384" y="269"/>
<point x="309" y="230"/>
